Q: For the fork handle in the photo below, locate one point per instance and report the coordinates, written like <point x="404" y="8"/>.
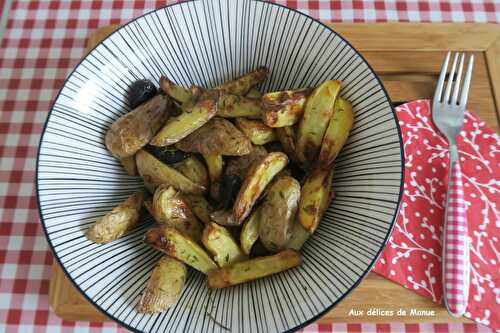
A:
<point x="456" y="265"/>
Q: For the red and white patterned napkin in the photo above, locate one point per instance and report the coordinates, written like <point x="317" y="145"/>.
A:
<point x="412" y="257"/>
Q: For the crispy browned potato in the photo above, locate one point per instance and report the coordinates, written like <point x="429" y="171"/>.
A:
<point x="250" y="231"/>
<point x="283" y="108"/>
<point x="116" y="223"/>
<point x="128" y="164"/>
<point x="224" y="217"/>
<point x="298" y="238"/>
<point x="219" y="241"/>
<point x="180" y="94"/>
<point x="215" y="165"/>
<point x="253" y="269"/>
<point x="317" y="113"/>
<point x="200" y="206"/>
<point x="277" y="213"/>
<point x="154" y="172"/>
<point x="218" y="137"/>
<point x="315" y="198"/>
<point x="193" y="169"/>
<point x="243" y="84"/>
<point x="170" y="208"/>
<point x="232" y="106"/>
<point x="256" y="180"/>
<point x="239" y="166"/>
<point x="215" y="191"/>
<point x="164" y="286"/>
<point x="133" y="130"/>
<point x="177" y="128"/>
<point x="254" y="93"/>
<point x="177" y="245"/>
<point x="256" y="131"/>
<point x="337" y="132"/>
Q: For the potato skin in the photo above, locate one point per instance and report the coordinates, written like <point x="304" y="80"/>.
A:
<point x="286" y="136"/>
<point x="116" y="223"/>
<point x="298" y="237"/>
<point x="164" y="287"/>
<point x="128" y="164"/>
<point x="156" y="173"/>
<point x="178" y="245"/>
<point x="317" y="113"/>
<point x="253" y="269"/>
<point x="258" y="132"/>
<point x="243" y="84"/>
<point x="219" y="241"/>
<point x="132" y="131"/>
<point x="337" y="132"/>
<point x="256" y="180"/>
<point x="315" y="198"/>
<point x="239" y="166"/>
<point x="194" y="117"/>
<point x="283" y="108"/>
<point x="218" y="137"/>
<point x="254" y="93"/>
<point x="277" y="213"/>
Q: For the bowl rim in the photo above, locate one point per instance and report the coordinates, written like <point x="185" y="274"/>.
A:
<point x="328" y="308"/>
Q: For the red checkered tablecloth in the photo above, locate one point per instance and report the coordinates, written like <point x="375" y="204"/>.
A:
<point x="41" y="43"/>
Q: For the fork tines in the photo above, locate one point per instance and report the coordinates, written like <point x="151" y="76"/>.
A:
<point x="454" y="78"/>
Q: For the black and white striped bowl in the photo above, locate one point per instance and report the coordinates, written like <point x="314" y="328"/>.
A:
<point x="206" y="43"/>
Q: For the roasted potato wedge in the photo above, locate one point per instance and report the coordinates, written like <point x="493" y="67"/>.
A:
<point x="243" y="84"/>
<point x="116" y="223"/>
<point x="219" y="241"/>
<point x="258" y="132"/>
<point x="250" y="232"/>
<point x="200" y="206"/>
<point x="254" y="93"/>
<point x="253" y="269"/>
<point x="180" y="94"/>
<point x="239" y="166"/>
<point x="283" y="108"/>
<point x="315" y="198"/>
<point x="177" y="128"/>
<point x="286" y="136"/>
<point x="193" y="169"/>
<point x="128" y="164"/>
<point x="337" y="132"/>
<point x="317" y="113"/>
<point x="215" y="164"/>
<point x="277" y="213"/>
<point x="218" y="137"/>
<point x="256" y="180"/>
<point x="133" y="130"/>
<point x="232" y="106"/>
<point x="177" y="245"/>
<point x="298" y="238"/>
<point x="225" y="218"/>
<point x="170" y="208"/>
<point x="164" y="286"/>
<point x="155" y="173"/>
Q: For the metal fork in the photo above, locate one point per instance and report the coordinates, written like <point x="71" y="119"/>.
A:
<point x="448" y="116"/>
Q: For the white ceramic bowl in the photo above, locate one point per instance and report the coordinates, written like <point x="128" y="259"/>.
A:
<point x="206" y="43"/>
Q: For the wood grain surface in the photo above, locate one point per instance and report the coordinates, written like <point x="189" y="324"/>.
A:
<point x="408" y="58"/>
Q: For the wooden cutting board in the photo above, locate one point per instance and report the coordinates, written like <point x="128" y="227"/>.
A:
<point x="408" y="58"/>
